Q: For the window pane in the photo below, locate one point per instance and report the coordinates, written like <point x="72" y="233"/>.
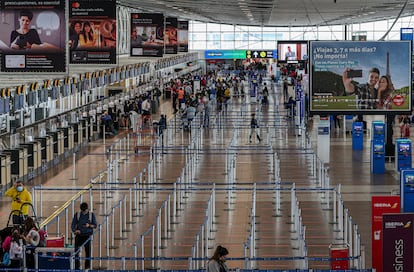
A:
<point x="269" y="36"/>
<point x="227" y="44"/>
<point x="227" y="28"/>
<point x="213" y="27"/>
<point x="194" y="27"/>
<point x="213" y="44"/>
<point x="227" y="36"/>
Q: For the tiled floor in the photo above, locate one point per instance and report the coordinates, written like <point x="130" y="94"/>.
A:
<point x="188" y="169"/>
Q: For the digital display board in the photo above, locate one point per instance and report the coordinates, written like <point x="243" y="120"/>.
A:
<point x="292" y="51"/>
<point x="171" y="35"/>
<point x="182" y="36"/>
<point x="360" y="77"/>
<point x="225" y="54"/>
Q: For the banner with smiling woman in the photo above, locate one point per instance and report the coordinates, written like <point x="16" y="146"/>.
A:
<point x="33" y="36"/>
<point x="363" y="77"/>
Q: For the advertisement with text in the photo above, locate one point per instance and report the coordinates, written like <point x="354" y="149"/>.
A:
<point x="92" y="31"/>
<point x="147" y="34"/>
<point x="32" y="36"/>
<point x="366" y="77"/>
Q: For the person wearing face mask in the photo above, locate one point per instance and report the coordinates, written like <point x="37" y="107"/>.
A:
<point x="83" y="225"/>
<point x="21" y="200"/>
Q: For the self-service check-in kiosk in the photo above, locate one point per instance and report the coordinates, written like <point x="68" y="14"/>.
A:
<point x="403" y="152"/>
<point x="46" y="150"/>
<point x="407" y="190"/>
<point x="378" y="148"/>
<point x="357" y="136"/>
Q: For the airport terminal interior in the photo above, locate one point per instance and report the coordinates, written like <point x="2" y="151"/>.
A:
<point x="228" y="153"/>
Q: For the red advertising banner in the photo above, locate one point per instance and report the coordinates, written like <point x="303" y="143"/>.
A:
<point x="380" y="206"/>
<point x="397" y="242"/>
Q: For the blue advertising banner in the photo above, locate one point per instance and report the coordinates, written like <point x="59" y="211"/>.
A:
<point x="364" y="77"/>
<point x="182" y="36"/>
<point x="147" y="34"/>
<point x="33" y="36"/>
<point x="397" y="243"/>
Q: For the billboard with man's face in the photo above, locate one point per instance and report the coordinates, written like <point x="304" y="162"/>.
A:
<point x="354" y="76"/>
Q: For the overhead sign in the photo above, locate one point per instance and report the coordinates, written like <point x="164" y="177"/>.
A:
<point x="262" y="54"/>
<point x="225" y="54"/>
<point x="147" y="34"/>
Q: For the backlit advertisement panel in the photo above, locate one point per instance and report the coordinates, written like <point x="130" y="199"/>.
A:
<point x="364" y="77"/>
<point x="171" y="35"/>
<point x="147" y="35"/>
<point x="182" y="36"/>
<point x="92" y="31"/>
<point x="33" y="36"/>
<point x="397" y="242"/>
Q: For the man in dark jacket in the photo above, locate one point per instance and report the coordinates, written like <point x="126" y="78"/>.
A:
<point x="83" y="225"/>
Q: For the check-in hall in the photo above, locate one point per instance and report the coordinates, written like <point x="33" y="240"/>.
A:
<point x="270" y="153"/>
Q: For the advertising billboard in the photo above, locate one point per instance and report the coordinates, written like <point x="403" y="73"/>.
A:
<point x="397" y="242"/>
<point x="147" y="35"/>
<point x="171" y="35"/>
<point x="182" y="36"/>
<point x="292" y="51"/>
<point x="92" y="31"/>
<point x="33" y="36"/>
<point x="360" y="77"/>
<point x="380" y="205"/>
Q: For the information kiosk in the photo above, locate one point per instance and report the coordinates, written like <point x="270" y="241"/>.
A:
<point x="403" y="154"/>
<point x="407" y="190"/>
<point x="357" y="136"/>
<point x="378" y="148"/>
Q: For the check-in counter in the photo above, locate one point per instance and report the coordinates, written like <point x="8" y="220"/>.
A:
<point x="47" y="148"/>
<point x="58" y="142"/>
<point x="5" y="169"/>
<point x="85" y="129"/>
<point x="77" y="132"/>
<point x="68" y="137"/>
<point x="34" y="159"/>
<point x="19" y="159"/>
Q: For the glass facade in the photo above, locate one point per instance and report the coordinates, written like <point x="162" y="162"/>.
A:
<point x="204" y="36"/>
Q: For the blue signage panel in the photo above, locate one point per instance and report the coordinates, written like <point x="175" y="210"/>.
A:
<point x="225" y="54"/>
<point x="403" y="151"/>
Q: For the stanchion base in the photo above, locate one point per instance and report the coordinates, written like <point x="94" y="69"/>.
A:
<point x="132" y="222"/>
<point x="228" y="209"/>
<point x="113" y="247"/>
<point x="120" y="238"/>
<point x="126" y="230"/>
<point x="277" y="215"/>
<point x="73" y="179"/>
<point x="165" y="238"/>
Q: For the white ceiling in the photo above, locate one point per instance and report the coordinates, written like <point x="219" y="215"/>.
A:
<point x="277" y="12"/>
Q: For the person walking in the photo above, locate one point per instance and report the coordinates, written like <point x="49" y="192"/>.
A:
<point x="217" y="262"/>
<point x="83" y="225"/>
<point x="254" y="128"/>
<point x="21" y="200"/>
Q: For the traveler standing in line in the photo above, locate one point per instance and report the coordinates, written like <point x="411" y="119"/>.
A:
<point x="254" y="128"/>
<point x="21" y="199"/>
<point x="83" y="224"/>
<point x="217" y="262"/>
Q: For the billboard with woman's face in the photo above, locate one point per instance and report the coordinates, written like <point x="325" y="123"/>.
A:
<point x="92" y="31"/>
<point x="32" y="36"/>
